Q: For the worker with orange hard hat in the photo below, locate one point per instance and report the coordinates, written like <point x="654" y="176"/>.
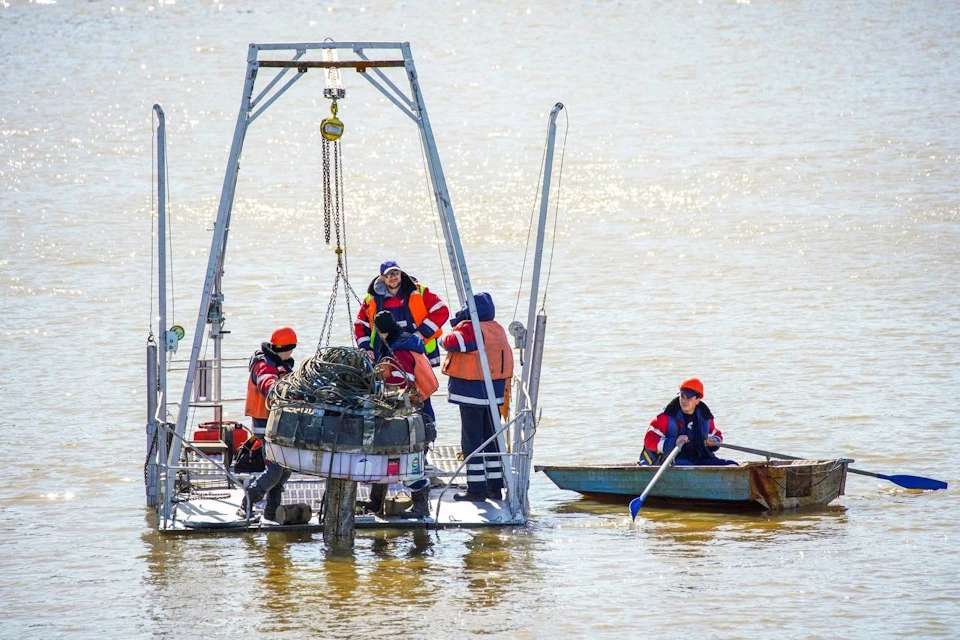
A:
<point x="269" y="363"/>
<point x="688" y="423"/>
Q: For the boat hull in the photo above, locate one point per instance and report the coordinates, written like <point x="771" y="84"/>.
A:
<point x="774" y="485"/>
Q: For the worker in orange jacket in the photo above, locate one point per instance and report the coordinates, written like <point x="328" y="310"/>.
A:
<point x="466" y="388"/>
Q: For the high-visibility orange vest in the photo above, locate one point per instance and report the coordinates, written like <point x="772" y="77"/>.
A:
<point x="423" y="376"/>
<point x="466" y="366"/>
<point x="418" y="311"/>
<point x="256" y="405"/>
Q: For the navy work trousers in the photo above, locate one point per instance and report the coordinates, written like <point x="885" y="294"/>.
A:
<point x="476" y="425"/>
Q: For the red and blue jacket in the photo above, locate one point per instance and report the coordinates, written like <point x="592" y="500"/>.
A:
<point x="414" y="307"/>
<point x="661" y="436"/>
<point x="266" y="367"/>
<point x="463" y="339"/>
<point x="400" y="352"/>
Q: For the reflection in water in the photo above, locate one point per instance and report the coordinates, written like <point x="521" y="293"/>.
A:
<point x="413" y="543"/>
<point x="156" y="557"/>
<point x="397" y="574"/>
<point x="685" y="531"/>
<point x="693" y="534"/>
<point x="279" y="585"/>
<point x="336" y="579"/>
<point x="488" y="568"/>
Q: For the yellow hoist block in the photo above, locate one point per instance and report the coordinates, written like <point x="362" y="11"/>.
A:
<point x="331" y="128"/>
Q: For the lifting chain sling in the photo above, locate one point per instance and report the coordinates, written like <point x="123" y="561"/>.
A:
<point x="331" y="129"/>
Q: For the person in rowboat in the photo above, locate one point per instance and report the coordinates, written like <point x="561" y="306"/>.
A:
<point x="685" y="422"/>
<point x="268" y="364"/>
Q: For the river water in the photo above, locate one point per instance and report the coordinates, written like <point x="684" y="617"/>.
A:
<point x="762" y="194"/>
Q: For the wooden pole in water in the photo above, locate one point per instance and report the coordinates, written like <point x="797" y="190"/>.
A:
<point x="339" y="502"/>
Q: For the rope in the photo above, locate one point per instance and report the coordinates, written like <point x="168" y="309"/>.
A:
<point x="556" y="215"/>
<point x="436" y="229"/>
<point x="533" y="210"/>
<point x="173" y="293"/>
<point x="556" y="212"/>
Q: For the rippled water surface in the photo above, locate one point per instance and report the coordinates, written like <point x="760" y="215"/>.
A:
<point x="762" y="194"/>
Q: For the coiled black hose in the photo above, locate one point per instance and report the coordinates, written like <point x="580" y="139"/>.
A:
<point x="340" y="376"/>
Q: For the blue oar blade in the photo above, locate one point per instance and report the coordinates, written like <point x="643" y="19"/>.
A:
<point x="635" y="505"/>
<point x="915" y="482"/>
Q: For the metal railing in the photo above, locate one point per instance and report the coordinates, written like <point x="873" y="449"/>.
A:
<point x="478" y="453"/>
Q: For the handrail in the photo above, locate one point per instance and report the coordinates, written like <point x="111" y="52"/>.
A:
<point x="176" y="467"/>
<point x="477" y="453"/>
<point x="184" y="365"/>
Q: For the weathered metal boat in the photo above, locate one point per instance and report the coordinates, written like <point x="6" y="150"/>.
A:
<point x="189" y="473"/>
<point x="764" y="485"/>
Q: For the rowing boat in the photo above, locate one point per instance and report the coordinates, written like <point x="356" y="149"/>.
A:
<point x="772" y="485"/>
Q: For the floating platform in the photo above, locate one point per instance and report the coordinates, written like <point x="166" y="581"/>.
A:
<point x="212" y="505"/>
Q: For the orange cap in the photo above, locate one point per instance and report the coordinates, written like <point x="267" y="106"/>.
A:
<point x="693" y="384"/>
<point x="284" y="337"/>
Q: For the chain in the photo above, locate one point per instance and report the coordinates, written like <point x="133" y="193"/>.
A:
<point x="341" y="222"/>
<point x="150" y="450"/>
<point x="326" y="190"/>
<point x="327" y="327"/>
<point x="334" y="215"/>
<point x="338" y="195"/>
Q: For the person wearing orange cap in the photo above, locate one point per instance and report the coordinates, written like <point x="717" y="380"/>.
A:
<point x="269" y="363"/>
<point x="685" y="422"/>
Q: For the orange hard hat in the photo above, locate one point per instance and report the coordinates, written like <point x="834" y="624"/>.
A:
<point x="693" y="384"/>
<point x="283" y="339"/>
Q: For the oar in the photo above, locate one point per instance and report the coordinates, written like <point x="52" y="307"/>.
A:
<point x="907" y="482"/>
<point x="636" y="503"/>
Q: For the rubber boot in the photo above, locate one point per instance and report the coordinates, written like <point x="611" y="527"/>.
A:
<point x="274" y="498"/>
<point x="251" y="496"/>
<point x="378" y="492"/>
<point x="421" y="506"/>
<point x="470" y="496"/>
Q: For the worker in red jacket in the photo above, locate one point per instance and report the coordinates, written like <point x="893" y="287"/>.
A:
<point x="415" y="308"/>
<point x="685" y="422"/>
<point x="268" y="364"/>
